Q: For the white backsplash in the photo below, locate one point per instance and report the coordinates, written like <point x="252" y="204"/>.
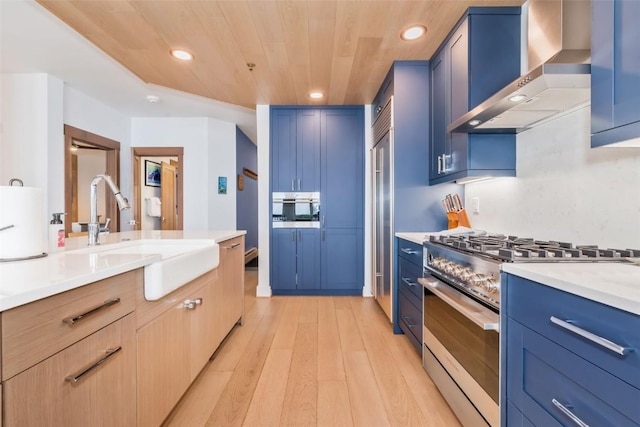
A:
<point x="564" y="190"/>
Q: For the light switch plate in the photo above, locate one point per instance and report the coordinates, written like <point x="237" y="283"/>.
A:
<point x="475" y="205"/>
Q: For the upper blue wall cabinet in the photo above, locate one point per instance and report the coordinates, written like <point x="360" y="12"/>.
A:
<point x="295" y="153"/>
<point x="480" y="56"/>
<point x="615" y="72"/>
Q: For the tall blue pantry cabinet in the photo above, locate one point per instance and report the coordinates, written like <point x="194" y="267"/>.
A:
<point x="319" y="149"/>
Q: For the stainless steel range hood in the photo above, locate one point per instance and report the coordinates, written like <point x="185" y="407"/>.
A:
<point x="559" y="55"/>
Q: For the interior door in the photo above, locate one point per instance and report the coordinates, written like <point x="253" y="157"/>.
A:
<point x="168" y="196"/>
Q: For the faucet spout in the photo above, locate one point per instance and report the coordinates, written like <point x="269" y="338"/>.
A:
<point x="94" y="226"/>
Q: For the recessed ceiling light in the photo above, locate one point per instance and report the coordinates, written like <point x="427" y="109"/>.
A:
<point x="414" y="32"/>
<point x="316" y="95"/>
<point x="474" y="122"/>
<point x="517" y="98"/>
<point x="152" y="99"/>
<point x="183" y="55"/>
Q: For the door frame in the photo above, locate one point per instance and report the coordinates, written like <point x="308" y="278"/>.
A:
<point x="112" y="151"/>
<point x="136" y="154"/>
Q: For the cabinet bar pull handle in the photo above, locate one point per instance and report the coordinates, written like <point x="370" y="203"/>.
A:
<point x="324" y="234"/>
<point x="74" y="379"/>
<point x="409" y="251"/>
<point x="235" y="245"/>
<point x="6" y="227"/>
<point x="190" y="304"/>
<point x="299" y="235"/>
<point x="609" y="345"/>
<point x="299" y="184"/>
<point x="293" y="185"/>
<point x="73" y="319"/>
<point x="408" y="282"/>
<point x="409" y="324"/>
<point x="439" y="163"/>
<point x="293" y="236"/>
<point x="565" y="410"/>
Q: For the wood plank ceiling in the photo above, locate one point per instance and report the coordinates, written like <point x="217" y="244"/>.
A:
<point x="341" y="48"/>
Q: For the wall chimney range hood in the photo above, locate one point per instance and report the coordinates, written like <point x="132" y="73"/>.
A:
<point x="559" y="56"/>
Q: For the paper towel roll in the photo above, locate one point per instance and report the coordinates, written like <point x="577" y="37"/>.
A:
<point x="22" y="208"/>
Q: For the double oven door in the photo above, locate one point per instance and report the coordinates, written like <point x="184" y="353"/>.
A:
<point x="461" y="351"/>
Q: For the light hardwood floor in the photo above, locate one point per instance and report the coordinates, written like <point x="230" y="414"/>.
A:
<point x="312" y="361"/>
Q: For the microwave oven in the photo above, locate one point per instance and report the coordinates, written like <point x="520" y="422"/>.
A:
<point x="295" y="210"/>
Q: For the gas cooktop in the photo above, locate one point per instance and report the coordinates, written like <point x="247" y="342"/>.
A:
<point x="518" y="249"/>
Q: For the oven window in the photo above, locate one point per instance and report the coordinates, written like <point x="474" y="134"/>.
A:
<point x="475" y="349"/>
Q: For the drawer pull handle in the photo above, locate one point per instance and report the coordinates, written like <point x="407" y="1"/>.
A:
<point x="409" y="324"/>
<point x="73" y="319"/>
<point x="408" y="282"/>
<point x="74" y="379"/>
<point x="409" y="251"/>
<point x="235" y="245"/>
<point x="565" y="410"/>
<point x="190" y="304"/>
<point x="609" y="345"/>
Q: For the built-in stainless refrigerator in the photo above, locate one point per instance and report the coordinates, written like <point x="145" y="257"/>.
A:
<point x="382" y="167"/>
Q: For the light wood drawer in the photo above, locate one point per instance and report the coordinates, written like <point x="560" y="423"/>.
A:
<point x="35" y="331"/>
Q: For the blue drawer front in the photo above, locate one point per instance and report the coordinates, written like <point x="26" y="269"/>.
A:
<point x="410" y="251"/>
<point x="408" y="275"/>
<point x="410" y="319"/>
<point x="515" y="417"/>
<point x="533" y="305"/>
<point x="540" y="371"/>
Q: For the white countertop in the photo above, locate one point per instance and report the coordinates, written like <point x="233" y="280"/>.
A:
<point x="416" y="237"/>
<point x="612" y="283"/>
<point x="22" y="282"/>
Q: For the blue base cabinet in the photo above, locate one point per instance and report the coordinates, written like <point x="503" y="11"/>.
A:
<point x="480" y="56"/>
<point x="551" y="374"/>
<point x="295" y="260"/>
<point x="329" y="147"/>
<point x="410" y="292"/>
<point x="615" y="81"/>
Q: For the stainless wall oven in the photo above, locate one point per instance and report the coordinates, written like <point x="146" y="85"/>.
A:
<point x="295" y="210"/>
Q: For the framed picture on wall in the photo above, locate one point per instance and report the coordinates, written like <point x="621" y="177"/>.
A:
<point x="152" y="173"/>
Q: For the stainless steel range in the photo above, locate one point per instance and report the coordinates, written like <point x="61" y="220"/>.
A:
<point x="461" y="311"/>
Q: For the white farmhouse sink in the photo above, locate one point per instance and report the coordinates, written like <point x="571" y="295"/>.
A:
<point x="182" y="261"/>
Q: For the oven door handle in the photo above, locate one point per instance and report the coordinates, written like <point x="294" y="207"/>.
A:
<point x="477" y="313"/>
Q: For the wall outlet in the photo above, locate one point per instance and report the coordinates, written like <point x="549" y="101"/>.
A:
<point x="132" y="222"/>
<point x="475" y="205"/>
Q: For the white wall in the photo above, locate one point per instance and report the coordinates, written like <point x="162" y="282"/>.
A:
<point x="89" y="114"/>
<point x="222" y="162"/>
<point x="209" y="151"/>
<point x="262" y="117"/>
<point x="564" y="189"/>
<point x="31" y="136"/>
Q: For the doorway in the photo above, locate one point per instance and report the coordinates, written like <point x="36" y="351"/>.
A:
<point x="81" y="150"/>
<point x="168" y="162"/>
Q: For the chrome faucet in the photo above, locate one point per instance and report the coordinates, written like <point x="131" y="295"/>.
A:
<point x="94" y="226"/>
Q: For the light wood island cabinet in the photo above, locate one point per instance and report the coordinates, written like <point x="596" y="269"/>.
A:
<point x="69" y="359"/>
<point x="127" y="362"/>
<point x="178" y="334"/>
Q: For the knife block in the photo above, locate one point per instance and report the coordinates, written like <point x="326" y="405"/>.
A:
<point x="456" y="219"/>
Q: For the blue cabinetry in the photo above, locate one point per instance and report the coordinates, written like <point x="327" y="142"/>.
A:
<point x="295" y="149"/>
<point x="402" y="197"/>
<point x="410" y="292"/>
<point x="342" y="199"/>
<point x="615" y="81"/>
<point x="480" y="56"/>
<point x="328" y="144"/>
<point x="552" y="370"/>
<point x="295" y="260"/>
